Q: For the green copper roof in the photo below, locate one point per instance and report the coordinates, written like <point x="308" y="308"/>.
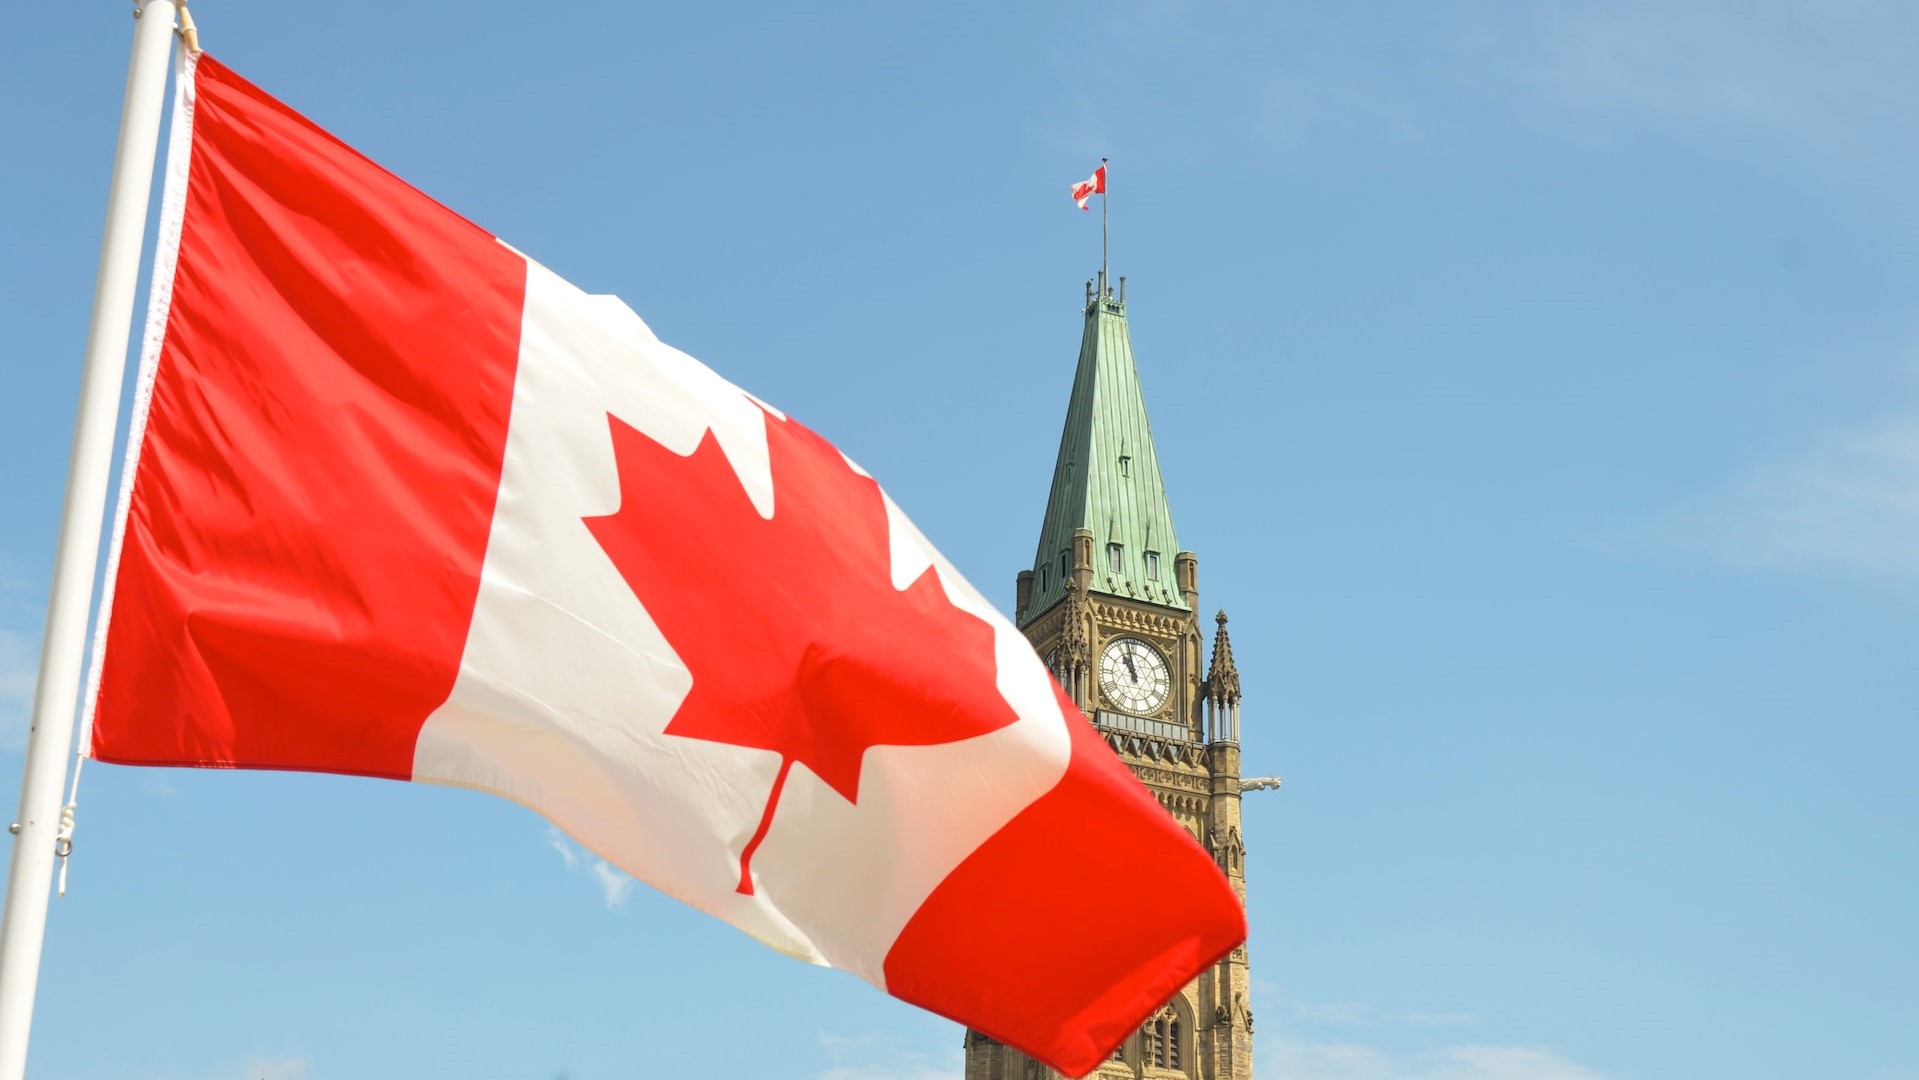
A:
<point x="1107" y="478"/>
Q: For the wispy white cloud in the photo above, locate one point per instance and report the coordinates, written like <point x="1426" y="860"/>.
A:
<point x="1830" y="75"/>
<point x="1382" y="1044"/>
<point x="256" y="1067"/>
<point x="614" y="884"/>
<point x="20" y="618"/>
<point x="267" y="1068"/>
<point x="19" y="671"/>
<point x="1300" y="1059"/>
<point x="557" y="840"/>
<point x="1819" y="84"/>
<point x="1848" y="503"/>
<point x="885" y="1057"/>
<point x="278" y="1069"/>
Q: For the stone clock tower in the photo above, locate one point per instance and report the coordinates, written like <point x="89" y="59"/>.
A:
<point x="1112" y="603"/>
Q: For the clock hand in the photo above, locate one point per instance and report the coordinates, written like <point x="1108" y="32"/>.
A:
<point x="1133" y="671"/>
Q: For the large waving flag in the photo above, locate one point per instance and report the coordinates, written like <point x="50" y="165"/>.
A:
<point x="403" y="503"/>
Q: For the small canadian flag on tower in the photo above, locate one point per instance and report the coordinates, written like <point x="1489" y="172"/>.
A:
<point x="1089" y="187"/>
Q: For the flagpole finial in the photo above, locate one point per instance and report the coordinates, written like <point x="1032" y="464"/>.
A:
<point x="189" y="34"/>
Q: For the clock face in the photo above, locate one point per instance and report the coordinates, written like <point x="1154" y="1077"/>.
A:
<point x="1132" y="675"/>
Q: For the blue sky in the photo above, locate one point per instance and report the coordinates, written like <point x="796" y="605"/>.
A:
<point x="1538" y="383"/>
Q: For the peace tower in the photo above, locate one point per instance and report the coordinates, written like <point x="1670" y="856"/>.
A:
<point x="1112" y="603"/>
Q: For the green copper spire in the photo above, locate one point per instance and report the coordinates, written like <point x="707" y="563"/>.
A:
<point x="1107" y="480"/>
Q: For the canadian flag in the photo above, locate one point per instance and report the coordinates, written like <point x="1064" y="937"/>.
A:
<point x="1089" y="187"/>
<point x="401" y="502"/>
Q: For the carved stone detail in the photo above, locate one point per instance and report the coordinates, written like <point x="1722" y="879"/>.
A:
<point x="1169" y="629"/>
<point x="1174" y="752"/>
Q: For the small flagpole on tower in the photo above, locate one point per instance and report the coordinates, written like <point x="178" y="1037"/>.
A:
<point x="36" y="832"/>
<point x="1103" y="196"/>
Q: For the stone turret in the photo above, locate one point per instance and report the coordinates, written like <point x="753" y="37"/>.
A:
<point x="1222" y="688"/>
<point x="1232" y="1030"/>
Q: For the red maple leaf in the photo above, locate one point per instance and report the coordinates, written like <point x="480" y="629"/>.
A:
<point x="797" y="640"/>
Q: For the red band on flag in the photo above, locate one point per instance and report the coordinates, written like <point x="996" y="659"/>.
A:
<point x="1025" y="937"/>
<point x="329" y="410"/>
<point x="1089" y="187"/>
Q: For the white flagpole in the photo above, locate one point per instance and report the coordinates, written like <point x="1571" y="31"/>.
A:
<point x="23" y="927"/>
